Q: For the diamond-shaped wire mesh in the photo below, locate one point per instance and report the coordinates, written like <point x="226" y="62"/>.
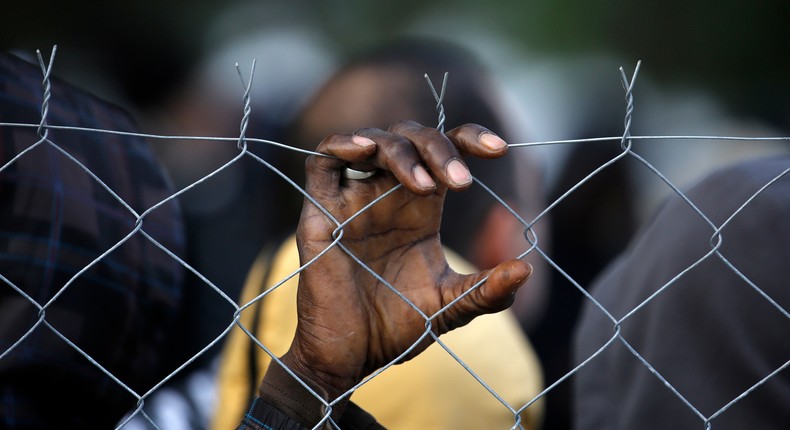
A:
<point x="143" y="214"/>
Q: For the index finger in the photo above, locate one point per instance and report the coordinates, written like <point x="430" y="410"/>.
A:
<point x="323" y="173"/>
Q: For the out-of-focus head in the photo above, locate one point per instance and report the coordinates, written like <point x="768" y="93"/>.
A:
<point x="378" y="87"/>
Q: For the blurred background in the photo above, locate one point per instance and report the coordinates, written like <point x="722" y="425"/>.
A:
<point x="142" y="53"/>
<point x="709" y="67"/>
<point x="713" y="62"/>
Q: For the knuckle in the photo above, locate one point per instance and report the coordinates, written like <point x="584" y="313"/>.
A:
<point x="398" y="147"/>
<point x="366" y="132"/>
<point x="327" y="141"/>
<point x="420" y="137"/>
<point x="310" y="163"/>
<point x="404" y="126"/>
<point x="472" y="126"/>
<point x="468" y="131"/>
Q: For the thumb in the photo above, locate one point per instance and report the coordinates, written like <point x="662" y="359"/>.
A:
<point x="504" y="280"/>
<point x="494" y="295"/>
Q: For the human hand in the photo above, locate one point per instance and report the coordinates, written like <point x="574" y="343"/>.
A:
<point x="350" y="323"/>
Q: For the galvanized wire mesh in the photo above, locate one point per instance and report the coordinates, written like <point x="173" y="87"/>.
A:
<point x="706" y="419"/>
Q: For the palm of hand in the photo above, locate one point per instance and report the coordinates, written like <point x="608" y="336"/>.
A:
<point x="371" y="323"/>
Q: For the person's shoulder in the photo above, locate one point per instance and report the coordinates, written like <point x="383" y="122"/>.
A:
<point x="749" y="173"/>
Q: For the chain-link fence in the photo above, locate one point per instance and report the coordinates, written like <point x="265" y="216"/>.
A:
<point x="144" y="230"/>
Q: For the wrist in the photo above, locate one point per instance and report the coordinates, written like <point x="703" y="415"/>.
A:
<point x="330" y="385"/>
<point x="287" y="394"/>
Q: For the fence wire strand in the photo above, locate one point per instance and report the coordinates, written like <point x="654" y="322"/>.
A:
<point x="626" y="142"/>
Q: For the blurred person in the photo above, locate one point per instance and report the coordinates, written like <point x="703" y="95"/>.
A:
<point x="55" y="220"/>
<point x="228" y="216"/>
<point x="351" y="324"/>
<point x="710" y="334"/>
<point x="225" y="221"/>
<point x="378" y="88"/>
<point x="582" y="246"/>
<point x="570" y="98"/>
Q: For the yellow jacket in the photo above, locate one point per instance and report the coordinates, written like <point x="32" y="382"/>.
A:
<point x="431" y="391"/>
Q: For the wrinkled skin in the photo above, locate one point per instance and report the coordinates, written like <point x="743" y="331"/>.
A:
<point x="351" y="324"/>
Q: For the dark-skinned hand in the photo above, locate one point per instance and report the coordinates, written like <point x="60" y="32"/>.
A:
<point x="350" y="323"/>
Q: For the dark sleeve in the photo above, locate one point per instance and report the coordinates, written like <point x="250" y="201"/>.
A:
<point x="263" y="416"/>
<point x="57" y="223"/>
<point x="709" y="333"/>
<point x="284" y="404"/>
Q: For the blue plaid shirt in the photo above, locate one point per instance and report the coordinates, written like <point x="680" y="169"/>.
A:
<point x="54" y="221"/>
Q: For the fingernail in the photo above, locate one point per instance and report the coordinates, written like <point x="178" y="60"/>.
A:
<point x="492" y="141"/>
<point x="362" y="141"/>
<point x="422" y="177"/>
<point x="458" y="173"/>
